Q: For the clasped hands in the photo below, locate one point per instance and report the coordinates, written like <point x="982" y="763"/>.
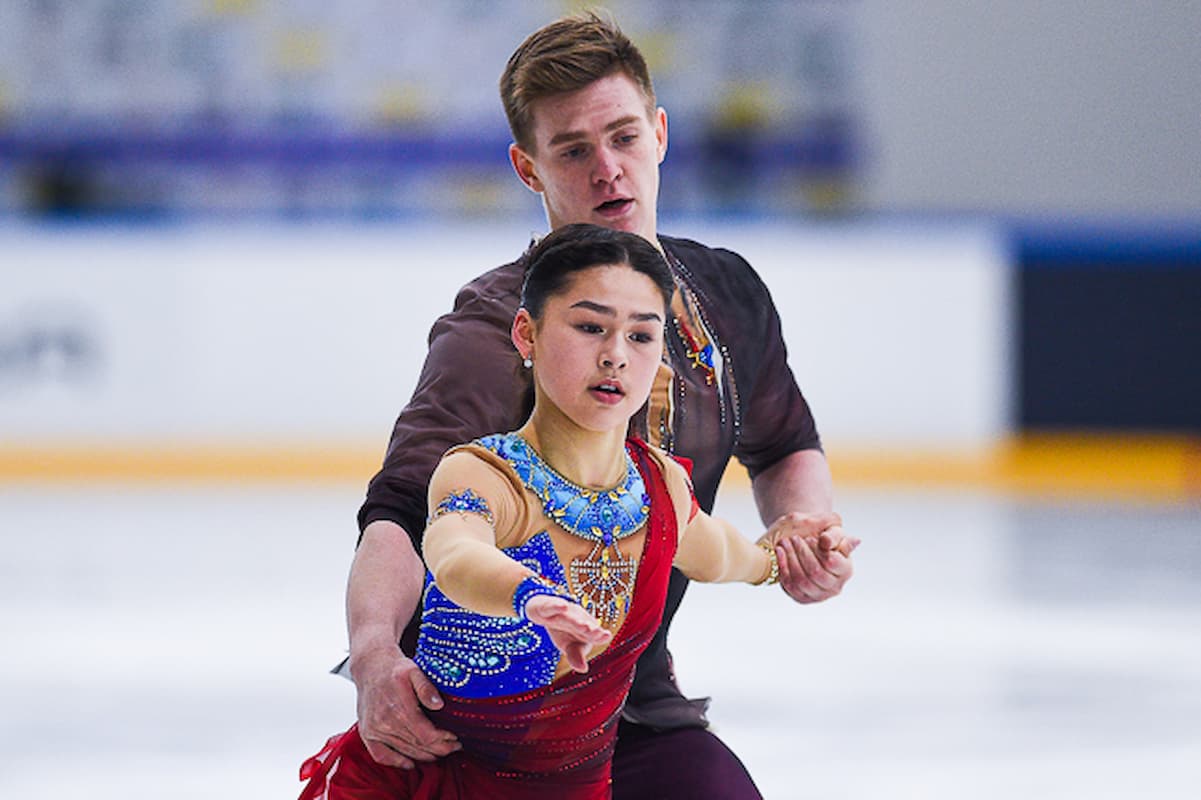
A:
<point x="814" y="554"/>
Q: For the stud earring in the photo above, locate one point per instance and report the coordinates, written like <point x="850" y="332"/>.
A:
<point x="527" y="362"/>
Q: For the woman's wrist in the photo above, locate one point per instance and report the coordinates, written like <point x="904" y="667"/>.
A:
<point x="533" y="586"/>
<point x="772" y="573"/>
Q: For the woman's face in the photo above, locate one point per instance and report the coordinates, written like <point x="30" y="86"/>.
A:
<point x="597" y="346"/>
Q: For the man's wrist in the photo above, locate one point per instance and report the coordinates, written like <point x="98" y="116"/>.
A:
<point x="363" y="652"/>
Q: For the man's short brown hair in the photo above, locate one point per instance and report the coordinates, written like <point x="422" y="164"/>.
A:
<point x="566" y="55"/>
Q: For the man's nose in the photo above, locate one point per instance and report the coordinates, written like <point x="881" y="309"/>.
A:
<point x="606" y="169"/>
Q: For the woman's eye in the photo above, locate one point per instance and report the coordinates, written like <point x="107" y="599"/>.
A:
<point x="588" y="327"/>
<point x="643" y="338"/>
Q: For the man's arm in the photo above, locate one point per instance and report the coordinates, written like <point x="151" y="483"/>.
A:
<point x="382" y="593"/>
<point x="794" y="488"/>
<point x="780" y="447"/>
<point x="471" y="384"/>
<point x="798" y="482"/>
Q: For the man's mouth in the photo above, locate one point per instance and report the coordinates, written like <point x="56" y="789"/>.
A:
<point x="612" y="207"/>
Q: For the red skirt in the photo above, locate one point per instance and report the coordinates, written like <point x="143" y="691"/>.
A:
<point x="344" y="770"/>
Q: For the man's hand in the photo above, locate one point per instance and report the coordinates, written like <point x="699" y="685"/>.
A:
<point x="392" y="723"/>
<point x="573" y="630"/>
<point x="814" y="555"/>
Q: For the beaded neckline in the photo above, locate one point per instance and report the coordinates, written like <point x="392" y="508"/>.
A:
<point x="598" y="515"/>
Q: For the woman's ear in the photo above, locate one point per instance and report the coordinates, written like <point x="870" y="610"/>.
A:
<point x="522" y="333"/>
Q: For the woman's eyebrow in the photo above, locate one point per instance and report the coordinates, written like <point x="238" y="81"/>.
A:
<point x="609" y="311"/>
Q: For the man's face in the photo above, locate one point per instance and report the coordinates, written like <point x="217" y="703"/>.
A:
<point x="596" y="156"/>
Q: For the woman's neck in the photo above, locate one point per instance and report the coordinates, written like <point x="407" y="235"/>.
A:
<point x="591" y="459"/>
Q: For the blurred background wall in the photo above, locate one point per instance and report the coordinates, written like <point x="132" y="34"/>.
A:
<point x="230" y="221"/>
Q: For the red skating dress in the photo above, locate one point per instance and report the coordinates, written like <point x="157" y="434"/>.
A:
<point x="551" y="742"/>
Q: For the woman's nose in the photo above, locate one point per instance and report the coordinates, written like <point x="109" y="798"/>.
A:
<point x="613" y="357"/>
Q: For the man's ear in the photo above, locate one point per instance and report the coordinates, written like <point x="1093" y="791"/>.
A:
<point x="661" y="133"/>
<point x="523" y="165"/>
<point x="522" y="333"/>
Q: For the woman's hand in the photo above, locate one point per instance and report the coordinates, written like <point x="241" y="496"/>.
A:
<point x="572" y="629"/>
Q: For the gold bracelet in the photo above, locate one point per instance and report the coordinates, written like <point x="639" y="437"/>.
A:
<point x="773" y="565"/>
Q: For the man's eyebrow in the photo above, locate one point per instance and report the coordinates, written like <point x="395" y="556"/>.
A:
<point x="609" y="311"/>
<point x="572" y="136"/>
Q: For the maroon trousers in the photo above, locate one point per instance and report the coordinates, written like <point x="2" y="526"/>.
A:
<point x="683" y="764"/>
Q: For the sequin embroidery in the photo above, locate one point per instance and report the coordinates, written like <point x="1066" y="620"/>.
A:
<point x="475" y="655"/>
<point x="603" y="581"/>
<point x="464" y="502"/>
<point x="596" y="515"/>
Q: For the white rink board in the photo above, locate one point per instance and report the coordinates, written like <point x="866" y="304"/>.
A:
<point x="293" y="333"/>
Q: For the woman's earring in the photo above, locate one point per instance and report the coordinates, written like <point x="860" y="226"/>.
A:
<point x="528" y="362"/>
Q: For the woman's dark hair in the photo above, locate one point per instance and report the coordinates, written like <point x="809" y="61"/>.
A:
<point x="552" y="261"/>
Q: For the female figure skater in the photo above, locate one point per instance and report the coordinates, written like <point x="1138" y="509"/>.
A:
<point x="549" y="548"/>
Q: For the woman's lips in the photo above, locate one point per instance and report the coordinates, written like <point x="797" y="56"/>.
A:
<point x="607" y="393"/>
